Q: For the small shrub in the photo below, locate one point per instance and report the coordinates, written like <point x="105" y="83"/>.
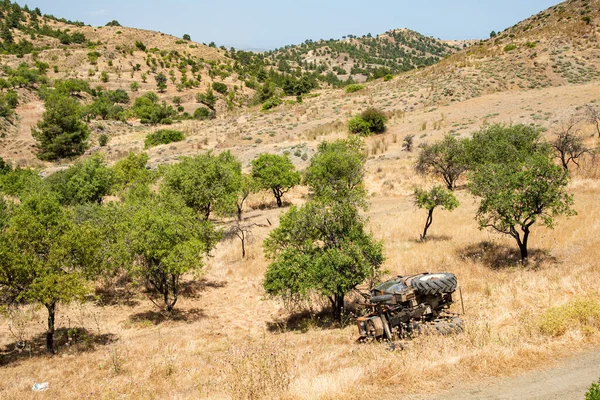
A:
<point x="388" y="77"/>
<point x="593" y="392"/>
<point x="271" y="103"/>
<point x="368" y="122"/>
<point x="140" y="46"/>
<point x="354" y="88"/>
<point x="219" y="87"/>
<point x="407" y="143"/>
<point x="359" y="126"/>
<point x="531" y="45"/>
<point x="582" y="313"/>
<point x="510" y="47"/>
<point x="103" y="140"/>
<point x="163" y="136"/>
<point x="203" y="114"/>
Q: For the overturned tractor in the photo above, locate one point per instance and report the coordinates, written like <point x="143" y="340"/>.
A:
<point x="407" y="304"/>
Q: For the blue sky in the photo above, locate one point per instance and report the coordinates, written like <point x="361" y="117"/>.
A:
<point x="267" y="24"/>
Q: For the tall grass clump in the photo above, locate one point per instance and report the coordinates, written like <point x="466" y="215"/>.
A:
<point x="583" y="314"/>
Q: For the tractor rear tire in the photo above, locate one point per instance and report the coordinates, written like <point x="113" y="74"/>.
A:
<point x="431" y="284"/>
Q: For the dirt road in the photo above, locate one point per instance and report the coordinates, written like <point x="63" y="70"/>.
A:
<point x="569" y="380"/>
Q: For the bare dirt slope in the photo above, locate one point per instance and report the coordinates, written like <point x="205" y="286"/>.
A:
<point x="567" y="381"/>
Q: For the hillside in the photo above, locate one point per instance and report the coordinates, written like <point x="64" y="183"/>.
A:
<point x="558" y="46"/>
<point x="361" y="58"/>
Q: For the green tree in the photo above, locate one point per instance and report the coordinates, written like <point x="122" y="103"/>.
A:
<point x="246" y="186"/>
<point x="206" y="182"/>
<point x="60" y="133"/>
<point x="336" y="172"/>
<point x="514" y="196"/>
<point x="506" y="144"/>
<point x="445" y="159"/>
<point x="88" y="181"/>
<point x="167" y="240"/>
<point x="276" y="173"/>
<point x="161" y="82"/>
<point x="219" y="87"/>
<point x="187" y="37"/>
<point x="429" y="200"/>
<point x="45" y="257"/>
<point x="134" y="86"/>
<point x="208" y="98"/>
<point x="131" y="171"/>
<point x="321" y="248"/>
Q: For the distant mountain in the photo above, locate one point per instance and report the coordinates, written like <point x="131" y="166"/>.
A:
<point x="361" y="58"/>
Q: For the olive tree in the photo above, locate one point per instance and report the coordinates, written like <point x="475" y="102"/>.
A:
<point x="45" y="257"/>
<point x="246" y="186"/>
<point x="444" y="159"/>
<point x="516" y="196"/>
<point x="206" y="182"/>
<point x="336" y="172"/>
<point x="430" y="199"/>
<point x="166" y="240"/>
<point x="321" y="248"/>
<point x="88" y="181"/>
<point x="276" y="173"/>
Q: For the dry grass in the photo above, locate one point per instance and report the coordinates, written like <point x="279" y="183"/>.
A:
<point x="221" y="344"/>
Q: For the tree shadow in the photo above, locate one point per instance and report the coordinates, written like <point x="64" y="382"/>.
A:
<point x="304" y="321"/>
<point x="153" y="318"/>
<point x="71" y="340"/>
<point x="499" y="256"/>
<point x="433" y="238"/>
<point x="192" y="289"/>
<point x="116" y="291"/>
<point x="308" y="319"/>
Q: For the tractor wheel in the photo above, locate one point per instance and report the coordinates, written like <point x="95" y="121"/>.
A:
<point x="430" y="284"/>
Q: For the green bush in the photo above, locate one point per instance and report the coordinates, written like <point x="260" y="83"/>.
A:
<point x="140" y="46"/>
<point x="203" y="114"/>
<point x="219" y="87"/>
<point x="354" y="88"/>
<point x="271" y="103"/>
<point x="593" y="392"/>
<point x="375" y="118"/>
<point x="510" y="47"/>
<point x="103" y="140"/>
<point x="359" y="126"/>
<point x="163" y="136"/>
<point x="388" y="77"/>
<point x="368" y="122"/>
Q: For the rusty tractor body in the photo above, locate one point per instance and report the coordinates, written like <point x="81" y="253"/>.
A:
<point x="399" y="305"/>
